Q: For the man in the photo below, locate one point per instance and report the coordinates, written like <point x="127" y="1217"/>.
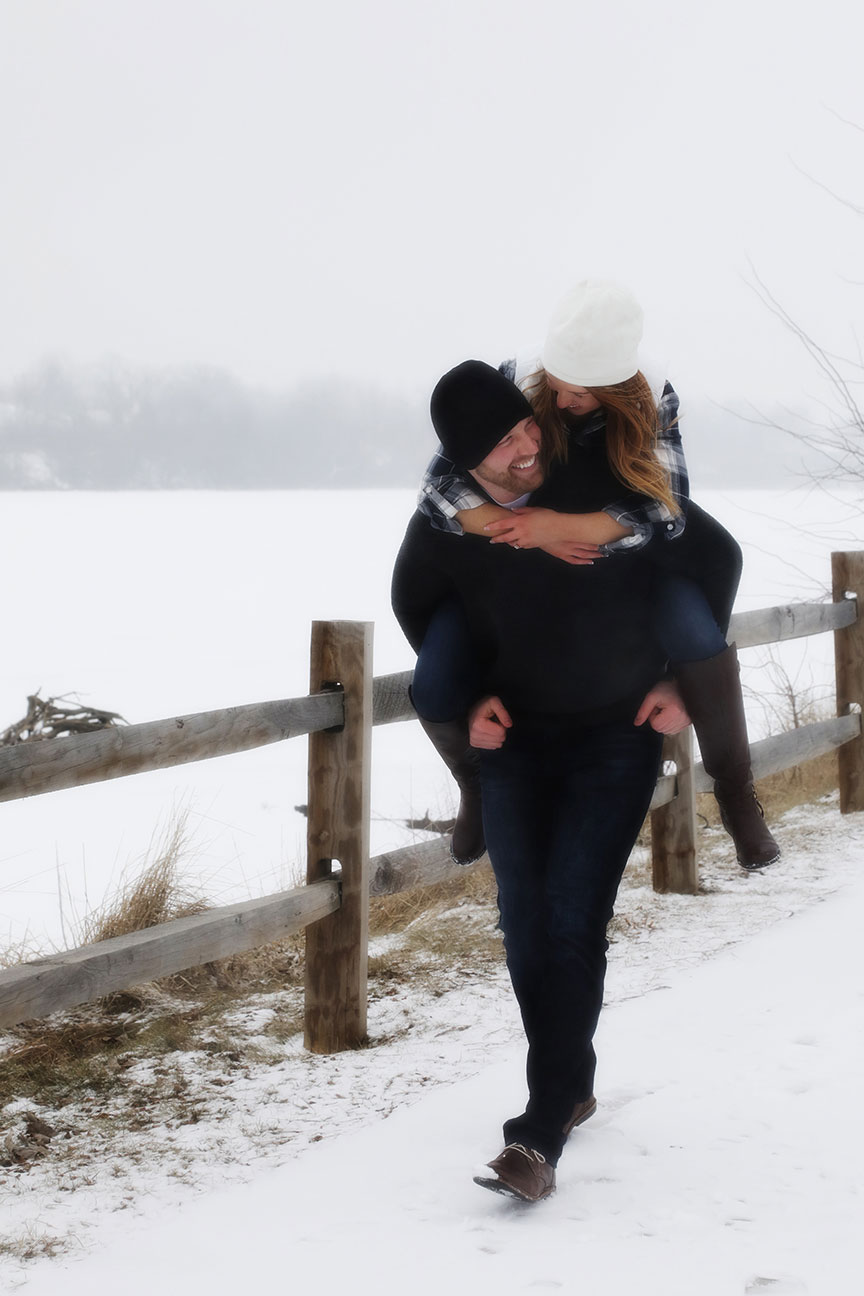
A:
<point x="565" y="661"/>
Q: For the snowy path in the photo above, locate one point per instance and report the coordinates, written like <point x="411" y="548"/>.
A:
<point x="725" y="1160"/>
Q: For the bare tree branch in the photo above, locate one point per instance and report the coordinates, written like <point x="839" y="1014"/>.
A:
<point x="844" y="202"/>
<point x="839" y="437"/>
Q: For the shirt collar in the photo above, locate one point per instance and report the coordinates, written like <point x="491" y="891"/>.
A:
<point x="585" y="430"/>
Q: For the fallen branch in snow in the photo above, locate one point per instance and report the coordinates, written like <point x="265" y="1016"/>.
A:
<point x="48" y="718"/>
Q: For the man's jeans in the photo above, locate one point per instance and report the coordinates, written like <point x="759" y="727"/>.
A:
<point x="562" y="806"/>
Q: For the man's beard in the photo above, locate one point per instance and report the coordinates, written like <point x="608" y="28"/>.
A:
<point x="513" y="482"/>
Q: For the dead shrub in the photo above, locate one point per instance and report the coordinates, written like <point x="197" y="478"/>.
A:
<point x="390" y="915"/>
<point x="156" y="896"/>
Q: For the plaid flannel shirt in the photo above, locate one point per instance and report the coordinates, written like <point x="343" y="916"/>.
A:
<point x="445" y="489"/>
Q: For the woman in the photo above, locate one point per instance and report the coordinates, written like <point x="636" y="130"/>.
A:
<point x="596" y="410"/>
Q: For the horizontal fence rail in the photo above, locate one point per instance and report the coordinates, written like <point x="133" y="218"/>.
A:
<point x="792" y="621"/>
<point x="57" y="763"/>
<point x="76" y="976"/>
<point x="785" y="751"/>
<point x="50" y="766"/>
<point x="338" y="823"/>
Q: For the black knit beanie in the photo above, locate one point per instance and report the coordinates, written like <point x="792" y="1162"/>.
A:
<point x="473" y="407"/>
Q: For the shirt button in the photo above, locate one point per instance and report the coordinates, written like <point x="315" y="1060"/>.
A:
<point x="670" y="526"/>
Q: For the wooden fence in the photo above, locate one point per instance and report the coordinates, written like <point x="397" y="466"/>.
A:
<point x="343" y="705"/>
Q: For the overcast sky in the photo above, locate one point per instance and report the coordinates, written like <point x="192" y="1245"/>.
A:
<point x="296" y="191"/>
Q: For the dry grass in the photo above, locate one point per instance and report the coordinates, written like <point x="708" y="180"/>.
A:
<point x="87" y="1054"/>
<point x="448" y="929"/>
<point x="392" y="914"/>
<point x="87" y="1050"/>
<point x="23" y="952"/>
<point x="160" y="894"/>
<point x="156" y="896"/>
<point x="33" y="1243"/>
<point x="799" y="786"/>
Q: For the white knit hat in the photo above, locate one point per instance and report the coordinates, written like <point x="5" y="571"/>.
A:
<point x="594" y="335"/>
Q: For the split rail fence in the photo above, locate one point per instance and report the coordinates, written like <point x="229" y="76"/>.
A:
<point x="343" y="705"/>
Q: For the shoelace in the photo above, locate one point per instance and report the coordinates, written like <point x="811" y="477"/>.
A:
<point x="530" y="1153"/>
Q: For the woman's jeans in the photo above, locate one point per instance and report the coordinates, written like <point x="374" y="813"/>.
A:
<point x="446" y="677"/>
<point x="706" y="554"/>
<point x="562" y="806"/>
<point x="682" y="621"/>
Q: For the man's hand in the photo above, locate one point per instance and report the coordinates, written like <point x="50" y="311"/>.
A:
<point x="663" y="708"/>
<point x="488" y="722"/>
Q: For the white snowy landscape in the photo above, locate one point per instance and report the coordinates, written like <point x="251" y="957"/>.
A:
<point x="725" y="1155"/>
<point x="241" y="240"/>
<point x="163" y="604"/>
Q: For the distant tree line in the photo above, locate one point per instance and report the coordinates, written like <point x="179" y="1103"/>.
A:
<point x="112" y="427"/>
<point x="115" y="427"/>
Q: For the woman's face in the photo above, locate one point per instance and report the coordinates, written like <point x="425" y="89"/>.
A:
<point x="576" y="400"/>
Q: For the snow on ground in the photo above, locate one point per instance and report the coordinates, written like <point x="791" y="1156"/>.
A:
<point x="724" y="1160"/>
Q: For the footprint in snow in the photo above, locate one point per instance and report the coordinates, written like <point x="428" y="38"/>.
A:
<point x="759" y="1286"/>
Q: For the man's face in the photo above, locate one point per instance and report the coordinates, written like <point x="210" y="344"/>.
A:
<point x="513" y="467"/>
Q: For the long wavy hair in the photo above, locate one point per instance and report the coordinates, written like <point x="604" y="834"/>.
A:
<point x="631" y="432"/>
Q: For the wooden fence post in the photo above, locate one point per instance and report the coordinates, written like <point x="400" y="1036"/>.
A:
<point x="338" y="831"/>
<point x="847" y="577"/>
<point x="673" y="826"/>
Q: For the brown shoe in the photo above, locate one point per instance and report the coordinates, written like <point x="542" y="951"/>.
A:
<point x="581" y="1112"/>
<point x="520" y="1172"/>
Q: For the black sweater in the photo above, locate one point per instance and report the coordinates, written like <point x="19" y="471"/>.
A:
<point x="551" y="637"/>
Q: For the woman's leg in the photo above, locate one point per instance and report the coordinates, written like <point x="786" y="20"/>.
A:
<point x="708" y="555"/>
<point x="707" y="673"/>
<point x="684" y="624"/>
<point x="445" y="677"/>
<point x="443" y="688"/>
<point x="712" y="695"/>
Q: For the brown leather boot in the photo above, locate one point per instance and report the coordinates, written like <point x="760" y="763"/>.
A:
<point x="712" y="695"/>
<point x="519" y="1172"/>
<point x="581" y="1112"/>
<point x="450" y="740"/>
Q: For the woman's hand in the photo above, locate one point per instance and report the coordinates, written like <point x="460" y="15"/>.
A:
<point x="531" y="528"/>
<point x="540" y="528"/>
<point x="572" y="537"/>
<point x="575" y="554"/>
